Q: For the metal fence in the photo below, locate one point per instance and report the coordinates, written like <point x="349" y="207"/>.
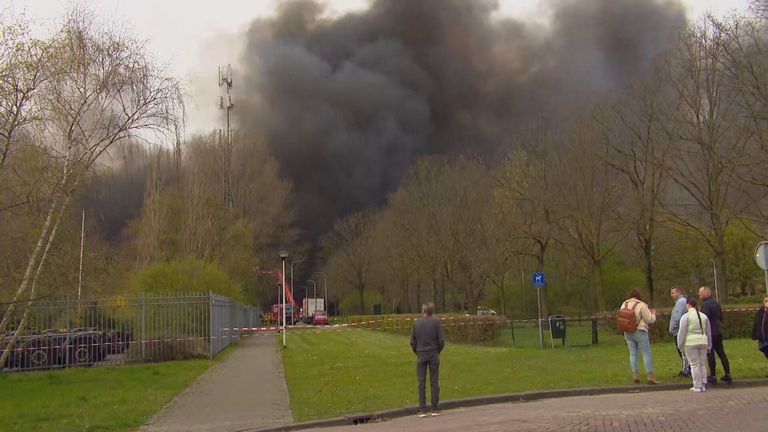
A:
<point x="118" y="330"/>
<point x="227" y="321"/>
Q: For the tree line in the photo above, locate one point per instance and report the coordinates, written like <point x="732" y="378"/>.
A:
<point x="654" y="185"/>
<point x="660" y="184"/>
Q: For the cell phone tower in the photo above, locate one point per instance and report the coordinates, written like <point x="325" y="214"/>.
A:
<point x="226" y="77"/>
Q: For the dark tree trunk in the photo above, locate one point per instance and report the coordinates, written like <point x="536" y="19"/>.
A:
<point x="544" y="296"/>
<point x="418" y="295"/>
<point x="648" y="267"/>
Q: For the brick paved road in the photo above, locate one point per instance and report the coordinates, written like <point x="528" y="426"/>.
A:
<point x="720" y="409"/>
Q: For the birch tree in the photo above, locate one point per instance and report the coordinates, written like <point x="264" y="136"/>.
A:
<point x="101" y="88"/>
<point x="21" y="73"/>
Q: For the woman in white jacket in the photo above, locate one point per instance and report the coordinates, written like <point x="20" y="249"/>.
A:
<point x="695" y="339"/>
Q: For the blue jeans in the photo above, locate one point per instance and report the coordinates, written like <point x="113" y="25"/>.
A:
<point x="639" y="340"/>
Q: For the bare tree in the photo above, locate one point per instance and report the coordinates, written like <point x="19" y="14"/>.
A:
<point x="102" y="88"/>
<point x="393" y="261"/>
<point x="349" y="253"/>
<point x="526" y="200"/>
<point x="590" y="194"/>
<point x="709" y="193"/>
<point x="637" y="142"/>
<point x="744" y="61"/>
<point x="152" y="228"/>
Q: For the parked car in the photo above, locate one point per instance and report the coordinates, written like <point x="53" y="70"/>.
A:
<point x="40" y="349"/>
<point x="482" y="310"/>
<point x="320" y="317"/>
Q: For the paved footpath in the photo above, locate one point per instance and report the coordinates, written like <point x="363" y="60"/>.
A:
<point x="245" y="390"/>
<point x="720" y="409"/>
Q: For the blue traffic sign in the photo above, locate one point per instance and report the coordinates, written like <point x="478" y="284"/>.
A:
<point x="538" y="279"/>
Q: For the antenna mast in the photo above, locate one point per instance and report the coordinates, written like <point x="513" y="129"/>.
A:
<point x="226" y="77"/>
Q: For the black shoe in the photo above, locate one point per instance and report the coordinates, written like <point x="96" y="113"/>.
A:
<point x="726" y="378"/>
<point x="711" y="380"/>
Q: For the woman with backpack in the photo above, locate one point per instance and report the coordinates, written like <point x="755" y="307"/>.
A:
<point x="695" y="339"/>
<point x="760" y="328"/>
<point x="637" y="339"/>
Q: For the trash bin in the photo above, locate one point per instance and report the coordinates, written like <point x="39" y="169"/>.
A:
<point x="557" y="328"/>
<point x="377" y="309"/>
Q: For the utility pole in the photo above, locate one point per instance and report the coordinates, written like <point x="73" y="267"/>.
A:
<point x="226" y="78"/>
<point x="283" y="256"/>
<point x="292" y="263"/>
<point x="325" y="284"/>
<point x="82" y="246"/>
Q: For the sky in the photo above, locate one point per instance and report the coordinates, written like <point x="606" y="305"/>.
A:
<point x="193" y="37"/>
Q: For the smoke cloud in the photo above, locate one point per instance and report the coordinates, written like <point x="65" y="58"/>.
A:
<point x="348" y="103"/>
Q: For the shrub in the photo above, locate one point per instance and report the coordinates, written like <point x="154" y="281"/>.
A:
<point x="184" y="276"/>
<point x="737" y="323"/>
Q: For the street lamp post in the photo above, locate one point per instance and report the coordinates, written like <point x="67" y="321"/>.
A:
<point x="314" y="288"/>
<point x="292" y="263"/>
<point x="714" y="276"/>
<point x="283" y="256"/>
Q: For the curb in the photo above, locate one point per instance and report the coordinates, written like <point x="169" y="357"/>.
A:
<point x="363" y="418"/>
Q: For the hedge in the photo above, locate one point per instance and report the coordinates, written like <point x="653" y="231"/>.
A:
<point x="457" y="328"/>
<point x="737" y="323"/>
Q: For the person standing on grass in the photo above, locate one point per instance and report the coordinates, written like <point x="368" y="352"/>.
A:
<point x="427" y="341"/>
<point x="638" y="339"/>
<point x="760" y="328"/>
<point x="695" y="338"/>
<point x="711" y="308"/>
<point x="674" y="325"/>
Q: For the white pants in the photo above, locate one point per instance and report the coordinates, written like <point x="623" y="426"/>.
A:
<point x="697" y="357"/>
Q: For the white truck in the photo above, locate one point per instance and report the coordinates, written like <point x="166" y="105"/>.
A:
<point x="309" y="306"/>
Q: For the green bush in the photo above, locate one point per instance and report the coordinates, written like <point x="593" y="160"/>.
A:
<point x="189" y="275"/>
<point x="750" y="300"/>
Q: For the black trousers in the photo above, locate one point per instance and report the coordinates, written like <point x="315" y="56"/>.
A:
<point x="764" y="350"/>
<point x="717" y="347"/>
<point x="431" y="361"/>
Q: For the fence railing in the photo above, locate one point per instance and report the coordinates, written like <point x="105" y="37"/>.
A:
<point x="118" y="330"/>
<point x="579" y="330"/>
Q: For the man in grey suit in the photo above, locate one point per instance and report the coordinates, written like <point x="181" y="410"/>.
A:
<point x="427" y="341"/>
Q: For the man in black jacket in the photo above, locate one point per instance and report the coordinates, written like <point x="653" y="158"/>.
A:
<point x="760" y="328"/>
<point x="427" y="341"/>
<point x="711" y="308"/>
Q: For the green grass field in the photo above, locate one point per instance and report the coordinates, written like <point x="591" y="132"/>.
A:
<point x="108" y="398"/>
<point x="334" y="373"/>
<point x="112" y="398"/>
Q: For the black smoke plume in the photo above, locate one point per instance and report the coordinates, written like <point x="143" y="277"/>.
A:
<point x="347" y="104"/>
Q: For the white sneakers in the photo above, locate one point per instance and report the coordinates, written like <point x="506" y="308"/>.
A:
<point x="697" y="390"/>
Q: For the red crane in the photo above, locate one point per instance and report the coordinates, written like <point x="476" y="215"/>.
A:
<point x="276" y="310"/>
